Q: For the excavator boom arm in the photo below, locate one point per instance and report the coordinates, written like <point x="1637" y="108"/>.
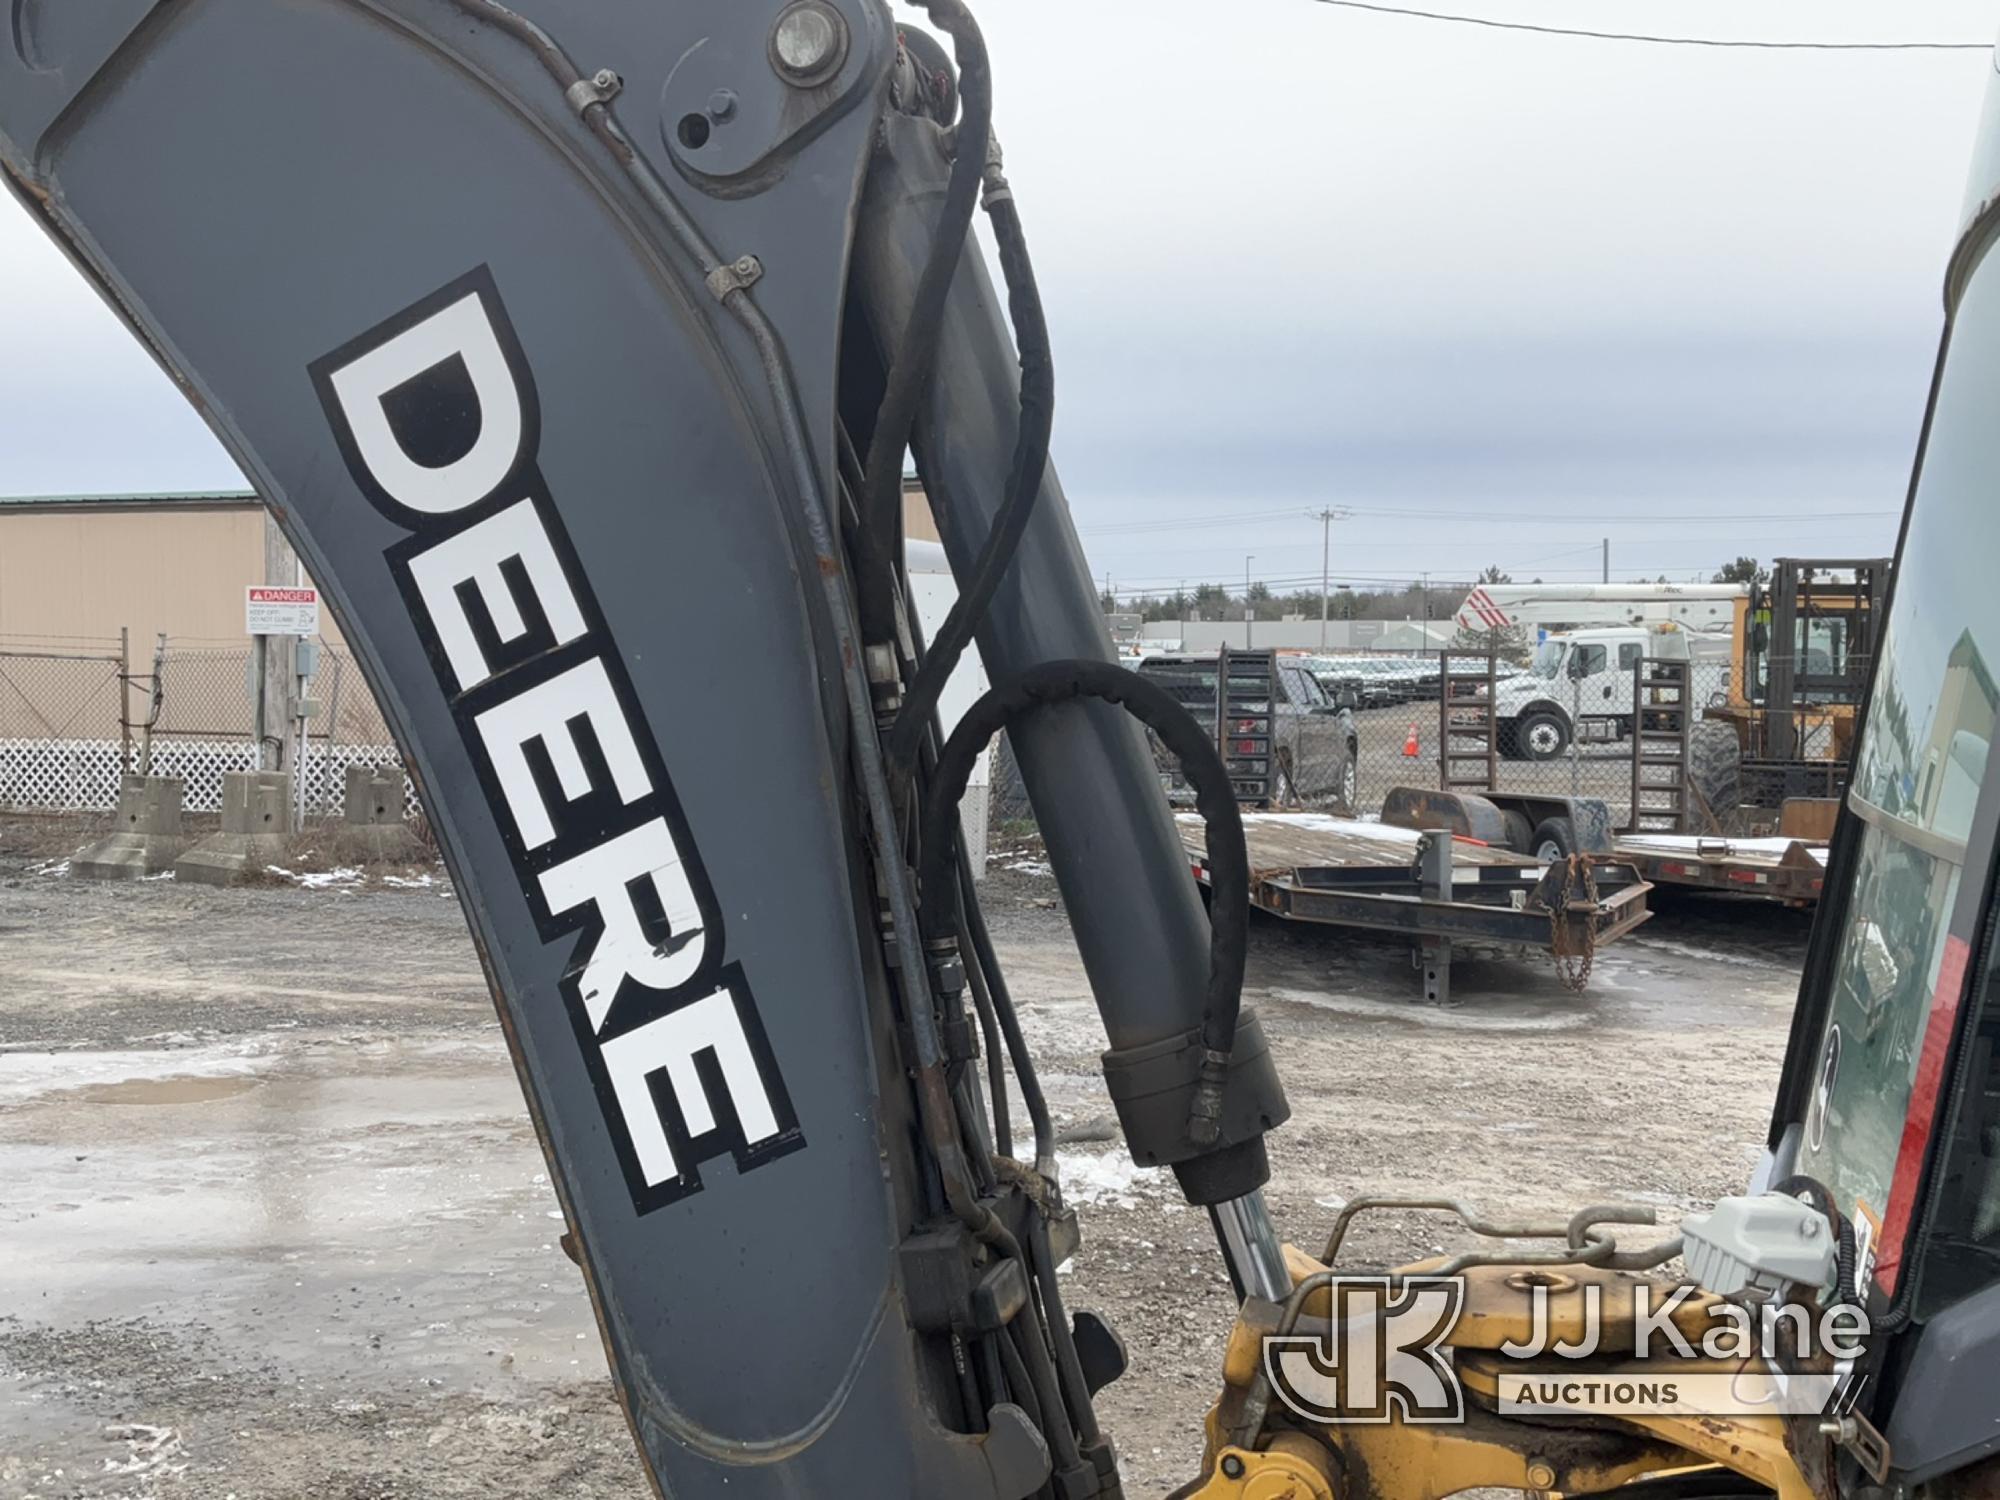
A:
<point x="555" y="339"/>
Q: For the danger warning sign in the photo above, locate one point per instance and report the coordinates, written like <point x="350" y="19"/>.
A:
<point x="268" y="610"/>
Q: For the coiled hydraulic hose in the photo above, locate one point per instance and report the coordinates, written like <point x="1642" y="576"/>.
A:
<point x="1215" y="799"/>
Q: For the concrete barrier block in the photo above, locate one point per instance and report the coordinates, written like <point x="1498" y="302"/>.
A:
<point x="373" y="796"/>
<point x="146" y="835"/>
<point x="255" y="822"/>
<point x="256" y="802"/>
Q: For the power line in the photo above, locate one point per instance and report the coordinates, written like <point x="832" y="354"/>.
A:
<point x="1203" y="523"/>
<point x="1661" y="41"/>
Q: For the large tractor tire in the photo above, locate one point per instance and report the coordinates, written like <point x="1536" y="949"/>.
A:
<point x="1715" y="774"/>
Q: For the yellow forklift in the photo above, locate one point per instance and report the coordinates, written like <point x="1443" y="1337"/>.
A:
<point x="1770" y="753"/>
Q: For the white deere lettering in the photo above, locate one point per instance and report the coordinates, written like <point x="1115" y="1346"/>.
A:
<point x="545" y="712"/>
<point x="473" y="556"/>
<point x="670" y="1045"/>
<point x="463" y="331"/>
<point x="604" y="877"/>
<point x="636" y="892"/>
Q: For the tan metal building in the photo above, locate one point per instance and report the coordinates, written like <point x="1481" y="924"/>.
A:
<point x="83" y="567"/>
<point x="88" y="585"/>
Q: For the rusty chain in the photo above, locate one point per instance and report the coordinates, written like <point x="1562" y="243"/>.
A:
<point x="1574" y="954"/>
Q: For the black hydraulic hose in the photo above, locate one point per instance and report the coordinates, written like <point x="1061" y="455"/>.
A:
<point x="1018" y="1053"/>
<point x="989" y="1032"/>
<point x="1069" y="1364"/>
<point x="968" y="1385"/>
<point x="969" y="1125"/>
<point x="1024" y="478"/>
<point x="1215" y="799"/>
<point x="1034" y="1351"/>
<point x="1018" y="1386"/>
<point x="915" y="349"/>
<point x="935" y="1107"/>
<point x="983" y="973"/>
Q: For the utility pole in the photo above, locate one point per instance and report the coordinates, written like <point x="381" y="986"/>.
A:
<point x="1607" y="559"/>
<point x="274" y="668"/>
<point x="1326" y="517"/>
<point x="1247" y="610"/>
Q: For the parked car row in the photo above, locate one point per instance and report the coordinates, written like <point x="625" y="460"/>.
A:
<point x="1386" y="681"/>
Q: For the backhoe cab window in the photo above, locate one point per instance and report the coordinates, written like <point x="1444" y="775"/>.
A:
<point x="1921" y="768"/>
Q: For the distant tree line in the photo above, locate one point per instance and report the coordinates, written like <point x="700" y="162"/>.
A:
<point x="1405" y="601"/>
<point x="1212" y="601"/>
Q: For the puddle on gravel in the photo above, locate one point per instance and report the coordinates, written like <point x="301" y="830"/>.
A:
<point x="164" y="1091"/>
<point x="331" y="1203"/>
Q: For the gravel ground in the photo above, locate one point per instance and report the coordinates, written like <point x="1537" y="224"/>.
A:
<point x="229" y="1272"/>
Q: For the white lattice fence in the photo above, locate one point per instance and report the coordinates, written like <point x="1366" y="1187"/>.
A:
<point x="59" y="775"/>
<point x="200" y="764"/>
<point x="82" y="775"/>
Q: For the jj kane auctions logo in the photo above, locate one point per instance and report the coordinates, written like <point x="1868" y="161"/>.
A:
<point x="1380" y="1350"/>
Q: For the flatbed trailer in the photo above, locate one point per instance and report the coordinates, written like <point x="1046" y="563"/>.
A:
<point x="1782" y="869"/>
<point x="1434" y="887"/>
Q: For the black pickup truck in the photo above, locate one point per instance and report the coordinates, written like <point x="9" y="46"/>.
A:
<point x="1314" y="745"/>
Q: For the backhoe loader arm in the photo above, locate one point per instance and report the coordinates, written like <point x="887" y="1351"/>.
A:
<point x="571" y="346"/>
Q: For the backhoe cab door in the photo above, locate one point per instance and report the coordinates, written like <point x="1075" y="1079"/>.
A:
<point x="1891" y="1093"/>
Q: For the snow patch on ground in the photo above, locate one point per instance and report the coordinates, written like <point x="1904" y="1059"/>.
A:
<point x="318" y="880"/>
<point x="1105" y="1179"/>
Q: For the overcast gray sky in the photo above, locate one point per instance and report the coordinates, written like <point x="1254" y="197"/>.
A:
<point x="1499" y="294"/>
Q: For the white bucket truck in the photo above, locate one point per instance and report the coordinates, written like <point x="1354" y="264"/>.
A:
<point x="1580" y="686"/>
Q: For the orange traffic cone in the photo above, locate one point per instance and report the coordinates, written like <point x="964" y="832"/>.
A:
<point x="1410" y="747"/>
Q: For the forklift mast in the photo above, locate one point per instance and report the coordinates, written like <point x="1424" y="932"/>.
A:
<point x="1813" y="642"/>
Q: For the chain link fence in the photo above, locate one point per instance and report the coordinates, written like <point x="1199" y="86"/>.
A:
<point x="1605" y="733"/>
<point x="74" y="715"/>
<point x="63" y="722"/>
<point x="1346" y="729"/>
<point x="1342" y="730"/>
